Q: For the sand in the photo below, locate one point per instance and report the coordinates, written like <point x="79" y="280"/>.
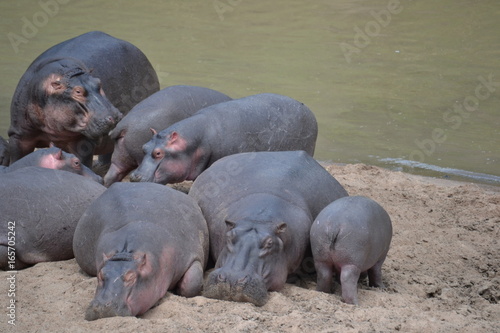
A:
<point x="441" y="273"/>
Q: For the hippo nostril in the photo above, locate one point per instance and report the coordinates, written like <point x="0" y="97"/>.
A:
<point x="221" y="278"/>
<point x="110" y="120"/>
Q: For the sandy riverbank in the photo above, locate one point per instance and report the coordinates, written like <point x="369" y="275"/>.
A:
<point x="442" y="274"/>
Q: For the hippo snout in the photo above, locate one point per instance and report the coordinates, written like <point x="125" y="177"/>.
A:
<point x="97" y="310"/>
<point x="239" y="288"/>
<point x="135" y="177"/>
<point x="138" y="175"/>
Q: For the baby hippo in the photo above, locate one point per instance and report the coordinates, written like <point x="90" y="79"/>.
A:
<point x="262" y="122"/>
<point x="350" y="236"/>
<point x="53" y="158"/>
<point x="140" y="240"/>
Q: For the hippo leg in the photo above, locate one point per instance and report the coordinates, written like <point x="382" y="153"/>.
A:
<point x="191" y="283"/>
<point x="102" y="164"/>
<point x="349" y="277"/>
<point x="375" y="275"/>
<point x="325" y="275"/>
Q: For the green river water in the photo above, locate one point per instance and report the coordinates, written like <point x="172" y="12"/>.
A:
<point x="411" y="85"/>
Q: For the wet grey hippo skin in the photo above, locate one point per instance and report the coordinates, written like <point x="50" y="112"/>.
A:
<point x="263" y="122"/>
<point x="259" y="208"/>
<point x="43" y="206"/>
<point x="53" y="158"/>
<point x="156" y="112"/>
<point x="141" y="239"/>
<point x="74" y="93"/>
<point x="350" y="236"/>
<point x="4" y="152"/>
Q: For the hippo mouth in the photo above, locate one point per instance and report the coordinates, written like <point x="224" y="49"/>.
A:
<point x="97" y="311"/>
<point x="246" y="289"/>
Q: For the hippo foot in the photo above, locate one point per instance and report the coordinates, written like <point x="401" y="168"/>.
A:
<point x="101" y="168"/>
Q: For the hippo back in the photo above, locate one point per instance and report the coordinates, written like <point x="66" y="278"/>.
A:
<point x="292" y="175"/>
<point x="44" y="206"/>
<point x="262" y="122"/>
<point x="129" y="206"/>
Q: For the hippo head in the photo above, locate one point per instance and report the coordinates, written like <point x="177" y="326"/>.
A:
<point x="251" y="263"/>
<point x="55" y="158"/>
<point x="70" y="99"/>
<point x="170" y="158"/>
<point x="121" y="287"/>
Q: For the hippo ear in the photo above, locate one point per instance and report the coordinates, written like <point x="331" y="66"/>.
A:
<point x="280" y="228"/>
<point x="53" y="84"/>
<point x="174" y="137"/>
<point x="106" y="257"/>
<point x="51" y="144"/>
<point x="176" y="142"/>
<point x="230" y="225"/>
<point x="143" y="264"/>
<point x="153" y="131"/>
<point x="59" y="155"/>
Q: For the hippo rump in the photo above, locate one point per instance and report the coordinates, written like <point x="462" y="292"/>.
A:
<point x="53" y="158"/>
<point x="74" y="93"/>
<point x="350" y="236"/>
<point x="263" y="122"/>
<point x="39" y="212"/>
<point x="141" y="240"/>
<point x="259" y="209"/>
<point x="4" y="152"/>
<point x="155" y="113"/>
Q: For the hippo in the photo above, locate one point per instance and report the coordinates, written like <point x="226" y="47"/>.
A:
<point x="4" y="152"/>
<point x="53" y="158"/>
<point x="75" y="92"/>
<point x="350" y="236"/>
<point x="156" y="112"/>
<point x="259" y="209"/>
<point x="140" y="239"/>
<point x="263" y="122"/>
<point x="39" y="212"/>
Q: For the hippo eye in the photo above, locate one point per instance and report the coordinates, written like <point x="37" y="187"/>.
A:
<point x="268" y="243"/>
<point x="76" y="163"/>
<point x="129" y="278"/>
<point x="157" y="154"/>
<point x="266" y="247"/>
<point x="79" y="92"/>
